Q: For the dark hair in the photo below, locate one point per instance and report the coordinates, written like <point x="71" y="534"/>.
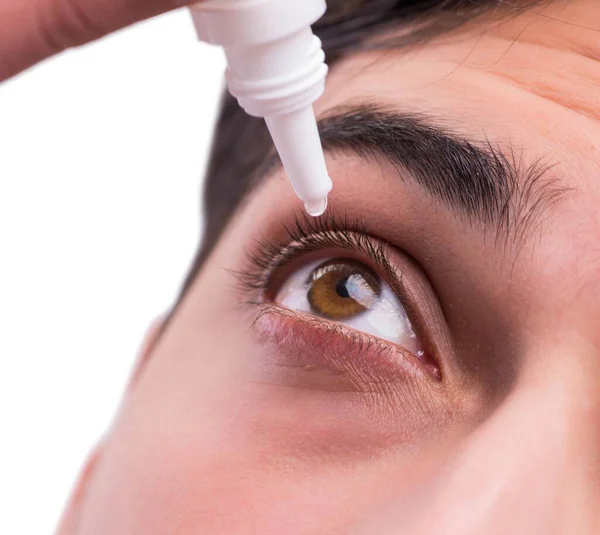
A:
<point x="242" y="143"/>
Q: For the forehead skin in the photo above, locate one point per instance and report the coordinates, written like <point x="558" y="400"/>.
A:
<point x="531" y="81"/>
<point x="523" y="76"/>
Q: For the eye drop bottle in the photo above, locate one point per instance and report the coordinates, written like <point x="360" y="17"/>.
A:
<point x="276" y="69"/>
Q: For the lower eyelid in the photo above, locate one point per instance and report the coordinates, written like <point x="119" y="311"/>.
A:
<point x="305" y="341"/>
<point x="350" y="393"/>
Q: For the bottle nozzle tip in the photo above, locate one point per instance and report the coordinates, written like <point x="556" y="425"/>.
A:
<point x="316" y="208"/>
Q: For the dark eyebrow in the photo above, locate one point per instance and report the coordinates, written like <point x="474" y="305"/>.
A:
<point x="476" y="181"/>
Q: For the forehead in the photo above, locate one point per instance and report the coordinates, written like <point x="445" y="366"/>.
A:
<point x="530" y="83"/>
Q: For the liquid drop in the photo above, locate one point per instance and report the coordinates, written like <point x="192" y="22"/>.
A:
<point x="316" y="208"/>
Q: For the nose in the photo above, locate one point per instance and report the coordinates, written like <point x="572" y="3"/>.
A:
<point x="532" y="467"/>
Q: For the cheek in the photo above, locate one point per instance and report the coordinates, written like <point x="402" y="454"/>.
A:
<point x="190" y="477"/>
<point x="188" y="455"/>
<point x="203" y="444"/>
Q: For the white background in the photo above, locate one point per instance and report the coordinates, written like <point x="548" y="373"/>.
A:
<point x="102" y="151"/>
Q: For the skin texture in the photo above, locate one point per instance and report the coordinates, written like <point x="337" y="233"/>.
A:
<point x="281" y="425"/>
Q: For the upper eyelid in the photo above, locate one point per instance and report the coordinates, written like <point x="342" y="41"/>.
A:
<point x="311" y="235"/>
<point x="333" y="230"/>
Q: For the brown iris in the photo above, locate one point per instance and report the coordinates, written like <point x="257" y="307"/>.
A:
<point x="342" y="288"/>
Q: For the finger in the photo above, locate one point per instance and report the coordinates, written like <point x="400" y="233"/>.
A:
<point x="31" y="30"/>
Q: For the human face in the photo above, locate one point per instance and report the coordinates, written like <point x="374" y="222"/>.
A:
<point x="467" y="258"/>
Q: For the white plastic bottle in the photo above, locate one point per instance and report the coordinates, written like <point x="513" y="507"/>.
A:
<point x="276" y="70"/>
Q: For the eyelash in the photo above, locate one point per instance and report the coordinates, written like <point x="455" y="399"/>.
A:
<point x="309" y="235"/>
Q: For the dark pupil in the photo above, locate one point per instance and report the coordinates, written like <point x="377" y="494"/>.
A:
<point x="341" y="288"/>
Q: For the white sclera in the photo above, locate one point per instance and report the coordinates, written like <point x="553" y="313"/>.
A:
<point x="386" y="318"/>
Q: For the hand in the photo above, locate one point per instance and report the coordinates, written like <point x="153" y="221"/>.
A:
<point x="31" y="30"/>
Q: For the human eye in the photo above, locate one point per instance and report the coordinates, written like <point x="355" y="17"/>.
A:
<point x="345" y="290"/>
<point x="332" y="276"/>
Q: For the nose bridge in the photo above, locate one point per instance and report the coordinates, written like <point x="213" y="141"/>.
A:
<point x="533" y="466"/>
